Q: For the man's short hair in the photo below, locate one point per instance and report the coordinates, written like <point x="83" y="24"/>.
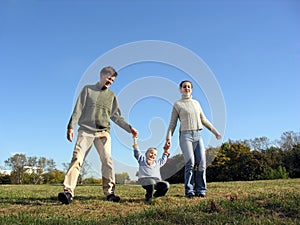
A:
<point x="109" y="71"/>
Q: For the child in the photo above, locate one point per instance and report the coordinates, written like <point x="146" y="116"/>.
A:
<point x="149" y="171"/>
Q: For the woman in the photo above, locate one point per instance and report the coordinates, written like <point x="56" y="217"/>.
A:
<point x="192" y="119"/>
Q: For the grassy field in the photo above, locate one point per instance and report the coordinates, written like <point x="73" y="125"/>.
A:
<point x="257" y="202"/>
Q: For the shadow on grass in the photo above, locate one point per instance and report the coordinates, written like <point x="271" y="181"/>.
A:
<point x="53" y="200"/>
<point x="29" y="201"/>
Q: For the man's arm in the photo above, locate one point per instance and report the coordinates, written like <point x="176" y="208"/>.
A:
<point x="77" y="111"/>
<point x="117" y="118"/>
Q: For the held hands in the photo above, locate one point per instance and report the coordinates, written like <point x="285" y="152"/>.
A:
<point x="167" y="147"/>
<point x="134" y="132"/>
<point x="167" y="144"/>
<point x="134" y="136"/>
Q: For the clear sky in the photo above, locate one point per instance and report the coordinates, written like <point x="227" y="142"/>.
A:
<point x="252" y="50"/>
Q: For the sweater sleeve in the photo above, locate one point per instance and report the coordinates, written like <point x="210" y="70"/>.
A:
<point x="117" y="118"/>
<point x="162" y="161"/>
<point x="77" y="111"/>
<point x="206" y="122"/>
<point x="137" y="152"/>
<point x="173" y="123"/>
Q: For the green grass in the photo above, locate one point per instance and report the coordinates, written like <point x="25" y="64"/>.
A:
<point x="256" y="202"/>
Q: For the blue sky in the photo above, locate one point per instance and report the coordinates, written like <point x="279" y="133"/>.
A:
<point x="46" y="47"/>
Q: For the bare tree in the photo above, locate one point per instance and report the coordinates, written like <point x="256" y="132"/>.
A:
<point x="289" y="139"/>
<point x="17" y="163"/>
<point x="260" y="144"/>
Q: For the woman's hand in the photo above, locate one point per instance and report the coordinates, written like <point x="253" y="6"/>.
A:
<point x="167" y="144"/>
<point x="218" y="136"/>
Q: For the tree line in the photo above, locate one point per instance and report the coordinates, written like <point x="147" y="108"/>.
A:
<point x="33" y="170"/>
<point x="253" y="159"/>
<point x="246" y="160"/>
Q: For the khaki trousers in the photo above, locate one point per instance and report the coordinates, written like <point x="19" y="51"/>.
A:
<point x="84" y="142"/>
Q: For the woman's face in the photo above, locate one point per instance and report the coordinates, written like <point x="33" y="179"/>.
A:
<point x="186" y="88"/>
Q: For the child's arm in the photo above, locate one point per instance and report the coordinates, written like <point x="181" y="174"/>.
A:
<point x="134" y="142"/>
<point x="136" y="152"/>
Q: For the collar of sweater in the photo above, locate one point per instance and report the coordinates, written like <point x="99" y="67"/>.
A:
<point x="100" y="88"/>
<point x="186" y="97"/>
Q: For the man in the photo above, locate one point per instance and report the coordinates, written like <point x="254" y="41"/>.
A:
<point x="95" y="107"/>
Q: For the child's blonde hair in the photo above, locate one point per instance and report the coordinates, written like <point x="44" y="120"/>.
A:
<point x="151" y="148"/>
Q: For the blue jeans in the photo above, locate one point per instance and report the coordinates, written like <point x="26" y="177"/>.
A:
<point x="193" y="150"/>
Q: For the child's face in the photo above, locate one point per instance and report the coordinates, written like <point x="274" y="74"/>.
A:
<point x="151" y="154"/>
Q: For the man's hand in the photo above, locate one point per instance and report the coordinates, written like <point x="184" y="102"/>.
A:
<point x="70" y="134"/>
<point x="134" y="132"/>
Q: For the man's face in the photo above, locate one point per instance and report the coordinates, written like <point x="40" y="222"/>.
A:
<point x="106" y="81"/>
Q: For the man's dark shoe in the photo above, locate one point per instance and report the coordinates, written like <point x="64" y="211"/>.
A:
<point x="113" y="198"/>
<point x="65" y="197"/>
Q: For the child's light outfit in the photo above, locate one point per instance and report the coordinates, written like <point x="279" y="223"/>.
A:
<point x="149" y="175"/>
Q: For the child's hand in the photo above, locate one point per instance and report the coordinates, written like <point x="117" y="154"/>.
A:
<point x="166" y="149"/>
<point x="166" y="146"/>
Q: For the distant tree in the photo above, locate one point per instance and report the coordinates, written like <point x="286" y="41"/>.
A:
<point x="51" y="165"/>
<point x="289" y="139"/>
<point x="253" y="166"/>
<point x="121" y="178"/>
<point x="5" y="179"/>
<point x="260" y="144"/>
<point x="66" y="166"/>
<point x="35" y="173"/>
<point x="38" y="166"/>
<point x="17" y="163"/>
<point x="276" y="154"/>
<point x="92" y="180"/>
<point x="53" y="177"/>
<point x="226" y="166"/>
<point x="28" y="170"/>
<point x="278" y="173"/>
<point x="42" y="165"/>
<point x="291" y="161"/>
